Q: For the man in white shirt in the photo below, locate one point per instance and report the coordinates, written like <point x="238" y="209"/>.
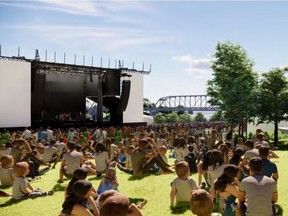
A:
<point x="27" y="133"/>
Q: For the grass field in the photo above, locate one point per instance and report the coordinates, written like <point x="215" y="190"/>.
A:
<point x="155" y="189"/>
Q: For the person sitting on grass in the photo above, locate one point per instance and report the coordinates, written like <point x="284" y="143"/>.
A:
<point x="269" y="168"/>
<point x="79" y="174"/>
<point x="216" y="166"/>
<point x="101" y="159"/>
<point x="71" y="161"/>
<point x="129" y="151"/>
<point x="106" y="194"/>
<point x="250" y="152"/>
<point x="4" y="194"/>
<point x="22" y="189"/>
<point x="144" y="158"/>
<point x="6" y="171"/>
<point x="109" y="181"/>
<point x="76" y="203"/>
<point x="225" y="188"/>
<point x="201" y="203"/>
<point x="182" y="185"/>
<point x="51" y="154"/>
<point x="257" y="192"/>
<point x="191" y="159"/>
<point x="202" y="168"/>
<point x="116" y="204"/>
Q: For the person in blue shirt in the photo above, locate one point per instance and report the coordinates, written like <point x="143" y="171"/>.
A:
<point x="269" y="168"/>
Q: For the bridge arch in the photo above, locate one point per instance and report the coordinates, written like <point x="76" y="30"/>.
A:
<point x="178" y="103"/>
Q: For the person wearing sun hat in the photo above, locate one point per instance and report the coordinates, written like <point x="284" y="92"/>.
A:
<point x="116" y="204"/>
<point x="76" y="202"/>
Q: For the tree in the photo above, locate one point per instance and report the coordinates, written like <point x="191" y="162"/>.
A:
<point x="172" y="117"/>
<point x="200" y="117"/>
<point x="217" y="116"/>
<point x="234" y="85"/>
<point x="185" y="118"/>
<point x="159" y="118"/>
<point x="272" y="99"/>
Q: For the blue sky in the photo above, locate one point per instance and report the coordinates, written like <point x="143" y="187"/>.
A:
<point x="177" y="37"/>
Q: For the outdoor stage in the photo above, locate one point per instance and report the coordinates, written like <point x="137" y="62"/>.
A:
<point x="35" y="92"/>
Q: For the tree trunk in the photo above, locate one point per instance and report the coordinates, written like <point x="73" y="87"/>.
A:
<point x="276" y="133"/>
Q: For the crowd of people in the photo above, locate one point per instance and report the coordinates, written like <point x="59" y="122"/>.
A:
<point x="234" y="174"/>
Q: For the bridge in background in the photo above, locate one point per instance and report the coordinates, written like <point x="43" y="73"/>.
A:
<point x="179" y="103"/>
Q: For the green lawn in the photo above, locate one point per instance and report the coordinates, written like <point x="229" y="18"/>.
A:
<point x="154" y="188"/>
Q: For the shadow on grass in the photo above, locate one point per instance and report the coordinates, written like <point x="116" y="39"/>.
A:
<point x="133" y="178"/>
<point x="282" y="148"/>
<point x="4" y="187"/>
<point x="136" y="200"/>
<point x="10" y="202"/>
<point x="94" y="178"/>
<point x="279" y="210"/>
<point x="180" y="208"/>
<point x="59" y="187"/>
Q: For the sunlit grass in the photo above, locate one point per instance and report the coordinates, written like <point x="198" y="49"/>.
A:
<point x="155" y="189"/>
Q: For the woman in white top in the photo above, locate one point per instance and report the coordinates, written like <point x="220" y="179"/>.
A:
<point x="216" y="166"/>
<point x="101" y="159"/>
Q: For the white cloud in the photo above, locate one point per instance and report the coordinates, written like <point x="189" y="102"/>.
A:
<point x="67" y="8"/>
<point x="84" y="8"/>
<point x="195" y="66"/>
<point x="103" y="37"/>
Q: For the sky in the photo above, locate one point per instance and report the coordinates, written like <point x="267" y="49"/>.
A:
<point x="178" y="38"/>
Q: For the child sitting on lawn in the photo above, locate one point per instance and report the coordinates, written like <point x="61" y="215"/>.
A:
<point x="6" y="171"/>
<point x="79" y="174"/>
<point x="182" y="185"/>
<point x="113" y="203"/>
<point x="109" y="181"/>
<point x="201" y="203"/>
<point x="21" y="187"/>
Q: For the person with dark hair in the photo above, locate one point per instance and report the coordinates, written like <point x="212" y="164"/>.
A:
<point x="250" y="152"/>
<point x="22" y="151"/>
<point x="202" y="167"/>
<point x="144" y="158"/>
<point x="180" y="149"/>
<point x="224" y="149"/>
<point x="216" y="166"/>
<point x="6" y="149"/>
<point x="51" y="154"/>
<point x="191" y="158"/>
<point x="240" y="143"/>
<point x="75" y="203"/>
<point x="269" y="168"/>
<point x="101" y="159"/>
<point x="70" y="162"/>
<point x="225" y="188"/>
<point x="258" y="190"/>
<point x="236" y="157"/>
<point x="79" y="174"/>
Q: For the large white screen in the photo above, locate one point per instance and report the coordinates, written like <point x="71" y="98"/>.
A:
<point x="134" y="110"/>
<point x="15" y="94"/>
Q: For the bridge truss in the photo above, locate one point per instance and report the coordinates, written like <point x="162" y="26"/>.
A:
<point x="179" y="103"/>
